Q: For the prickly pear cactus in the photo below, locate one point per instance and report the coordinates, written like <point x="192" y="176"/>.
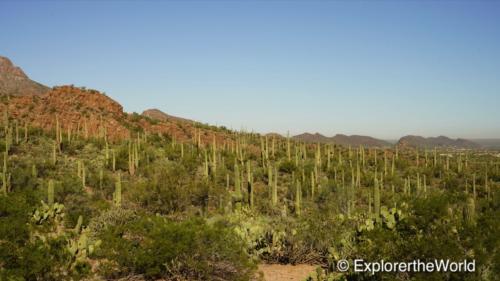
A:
<point x="257" y="232"/>
<point x="389" y="218"/>
<point x="54" y="212"/>
<point x="80" y="247"/>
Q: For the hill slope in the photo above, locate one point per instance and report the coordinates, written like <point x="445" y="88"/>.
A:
<point x="162" y="116"/>
<point x="13" y="81"/>
<point x="90" y="113"/>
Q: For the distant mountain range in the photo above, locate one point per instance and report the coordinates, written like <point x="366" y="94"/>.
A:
<point x="80" y="108"/>
<point x="488" y="143"/>
<point x="354" y="140"/>
<point x="404" y="142"/>
<point x="431" y="142"/>
<point x="162" y="116"/>
<point x="13" y="81"/>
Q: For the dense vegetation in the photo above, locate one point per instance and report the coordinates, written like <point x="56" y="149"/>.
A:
<point x="76" y="207"/>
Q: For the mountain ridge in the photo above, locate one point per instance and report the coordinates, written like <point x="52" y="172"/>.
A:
<point x="13" y="81"/>
<point x="341" y="139"/>
<point x="439" y="141"/>
<point x="157" y="114"/>
<point x="78" y="108"/>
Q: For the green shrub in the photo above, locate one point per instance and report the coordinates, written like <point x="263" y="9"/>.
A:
<point x="158" y="248"/>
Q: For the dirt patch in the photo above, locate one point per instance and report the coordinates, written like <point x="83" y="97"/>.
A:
<point x="279" y="272"/>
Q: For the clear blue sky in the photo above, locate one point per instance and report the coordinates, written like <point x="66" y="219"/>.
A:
<point x="384" y="69"/>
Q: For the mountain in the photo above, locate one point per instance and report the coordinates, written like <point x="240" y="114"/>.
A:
<point x="308" y="137"/>
<point x="356" y="140"/>
<point x="13" y="81"/>
<point x="488" y="143"/>
<point x="353" y="140"/>
<point x="274" y="135"/>
<point x="162" y="116"/>
<point x="431" y="142"/>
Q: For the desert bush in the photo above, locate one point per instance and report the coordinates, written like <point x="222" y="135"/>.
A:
<point x="190" y="250"/>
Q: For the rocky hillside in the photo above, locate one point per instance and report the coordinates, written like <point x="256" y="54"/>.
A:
<point x="431" y="142"/>
<point x="354" y="140"/>
<point x="13" y="80"/>
<point x="89" y="113"/>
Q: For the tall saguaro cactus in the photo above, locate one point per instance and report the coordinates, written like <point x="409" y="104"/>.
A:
<point x="250" y="186"/>
<point x="275" y="188"/>
<point x="214" y="155"/>
<point x="470" y="211"/>
<point x="54" y="154"/>
<point x="393" y="166"/>
<point x="50" y="193"/>
<point x="205" y="165"/>
<point x="298" y="198"/>
<point x="474" y="186"/>
<point x="288" y="152"/>
<point x="117" y="195"/>
<point x="385" y="162"/>
<point x="5" y="176"/>
<point x="313" y="185"/>
<point x="376" y="197"/>
<point x="131" y="161"/>
<point x="113" y="162"/>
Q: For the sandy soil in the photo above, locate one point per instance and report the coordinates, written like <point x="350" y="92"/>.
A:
<point x="278" y="272"/>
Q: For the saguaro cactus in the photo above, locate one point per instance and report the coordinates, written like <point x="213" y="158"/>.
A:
<point x="250" y="186"/>
<point x="269" y="175"/>
<point x="205" y="165"/>
<point x="474" y="186"/>
<point x="376" y="197"/>
<point x="6" y="120"/>
<point x="393" y="166"/>
<point x="84" y="175"/>
<point x="288" y="152"/>
<point x="131" y="162"/>
<point x="34" y="171"/>
<point x="313" y="185"/>
<point x="385" y="162"/>
<point x="117" y="195"/>
<point x="237" y="197"/>
<point x="50" y="193"/>
<point x="425" y="185"/>
<point x="26" y="132"/>
<point x="486" y="186"/>
<point x="298" y="198"/>
<point x="101" y="177"/>
<point x="470" y="211"/>
<point x="106" y="152"/>
<point x="237" y="183"/>
<point x="273" y="150"/>
<point x="5" y="176"/>
<point x="214" y="155"/>
<point x="54" y="153"/>
<point x="114" y="159"/>
<point x="275" y="188"/>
